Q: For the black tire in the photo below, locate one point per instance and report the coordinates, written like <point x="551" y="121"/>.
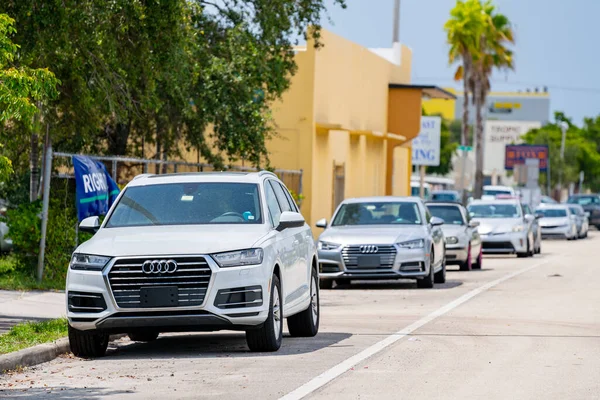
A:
<point x="527" y="253"/>
<point x="268" y="336"/>
<point x="479" y="262"/>
<point x="440" y="276"/>
<point x="427" y="282"/>
<point x="326" y="283"/>
<point x="87" y="344"/>
<point x="305" y="324"/>
<point x="467" y="265"/>
<point x="145" y="336"/>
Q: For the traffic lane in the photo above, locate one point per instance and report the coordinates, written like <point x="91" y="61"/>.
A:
<point x="353" y="319"/>
<point x="533" y="336"/>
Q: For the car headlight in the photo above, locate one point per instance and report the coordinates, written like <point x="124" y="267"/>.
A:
<point x="239" y="258"/>
<point x="88" y="262"/>
<point x="518" y="228"/>
<point x="412" y="244"/>
<point x="327" y="245"/>
<point x="451" y="240"/>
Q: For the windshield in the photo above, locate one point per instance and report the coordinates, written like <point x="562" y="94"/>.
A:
<point x="584" y="200"/>
<point x="188" y="204"/>
<point x="494" y="211"/>
<point x="450" y="214"/>
<point x="552" y="212"/>
<point x="378" y="213"/>
<point x="496" y="192"/>
<point x="444" y="197"/>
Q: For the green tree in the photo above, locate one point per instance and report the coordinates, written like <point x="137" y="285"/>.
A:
<point x="22" y="89"/>
<point x="464" y="32"/>
<point x="493" y="54"/>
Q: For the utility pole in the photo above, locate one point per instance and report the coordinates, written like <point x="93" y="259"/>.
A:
<point x="396" y="28"/>
<point x="563" y="127"/>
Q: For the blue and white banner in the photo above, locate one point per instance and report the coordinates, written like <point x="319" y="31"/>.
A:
<point x="426" y="146"/>
<point x="96" y="190"/>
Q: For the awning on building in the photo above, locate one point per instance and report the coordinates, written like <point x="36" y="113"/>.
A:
<point x="427" y="91"/>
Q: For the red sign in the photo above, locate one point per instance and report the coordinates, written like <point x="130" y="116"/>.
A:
<point x="517" y="154"/>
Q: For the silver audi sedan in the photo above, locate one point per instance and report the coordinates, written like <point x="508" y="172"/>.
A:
<point x="382" y="238"/>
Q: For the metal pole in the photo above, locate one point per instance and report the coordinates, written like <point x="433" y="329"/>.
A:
<point x="45" y="205"/>
<point x="563" y="128"/>
<point x="422" y="181"/>
<point x="396" y="33"/>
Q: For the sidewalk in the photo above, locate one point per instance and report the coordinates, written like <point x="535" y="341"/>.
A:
<point x="17" y="307"/>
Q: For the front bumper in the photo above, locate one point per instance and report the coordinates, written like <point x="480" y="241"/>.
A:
<point x="504" y="243"/>
<point x="407" y="264"/>
<point x="456" y="254"/>
<point x="557" y="231"/>
<point x="206" y="316"/>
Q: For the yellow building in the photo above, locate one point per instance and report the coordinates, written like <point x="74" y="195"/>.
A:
<point x="347" y="123"/>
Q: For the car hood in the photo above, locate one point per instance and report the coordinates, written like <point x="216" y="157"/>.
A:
<point x="373" y="234"/>
<point x="554" y="221"/>
<point x="453" y="230"/>
<point x="172" y="240"/>
<point x="489" y="226"/>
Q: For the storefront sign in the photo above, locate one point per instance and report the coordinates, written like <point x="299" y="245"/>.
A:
<point x="426" y="146"/>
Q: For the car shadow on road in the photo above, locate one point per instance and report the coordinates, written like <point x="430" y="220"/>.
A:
<point x="61" y="392"/>
<point x="392" y="285"/>
<point x="217" y="345"/>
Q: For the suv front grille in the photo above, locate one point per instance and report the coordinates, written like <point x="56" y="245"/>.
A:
<point x="191" y="279"/>
<point x="351" y="254"/>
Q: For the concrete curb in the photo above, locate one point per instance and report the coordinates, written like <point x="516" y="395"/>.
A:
<point x="37" y="354"/>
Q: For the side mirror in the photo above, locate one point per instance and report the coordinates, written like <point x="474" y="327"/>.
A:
<point x="587" y="214"/>
<point x="435" y="221"/>
<point x="528" y="217"/>
<point x="290" y="219"/>
<point x="90" y="224"/>
<point x="322" y="223"/>
<point x="474" y="224"/>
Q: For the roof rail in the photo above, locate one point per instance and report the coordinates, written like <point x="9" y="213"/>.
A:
<point x="263" y="172"/>
<point x="142" y="176"/>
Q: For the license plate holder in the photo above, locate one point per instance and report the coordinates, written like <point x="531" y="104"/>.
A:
<point x="166" y="296"/>
<point x="369" y="261"/>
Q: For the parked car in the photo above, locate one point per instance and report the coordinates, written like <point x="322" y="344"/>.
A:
<point x="556" y="220"/>
<point x="463" y="244"/>
<point x="382" y="238"/>
<point x="445" y="195"/>
<point x="181" y="252"/>
<point x="491" y="191"/>
<point x="415" y="189"/>
<point x="581" y="219"/>
<point x="505" y="228"/>
<point x="590" y="204"/>
<point x="548" y="200"/>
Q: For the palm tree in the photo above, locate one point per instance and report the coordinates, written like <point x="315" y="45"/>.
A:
<point x="464" y="31"/>
<point x="493" y="54"/>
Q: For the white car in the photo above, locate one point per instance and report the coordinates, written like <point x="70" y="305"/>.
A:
<point x="557" y="220"/>
<point x="490" y="192"/>
<point x="195" y="252"/>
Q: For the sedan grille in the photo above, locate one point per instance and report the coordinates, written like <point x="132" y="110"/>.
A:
<point x="189" y="281"/>
<point x="352" y="256"/>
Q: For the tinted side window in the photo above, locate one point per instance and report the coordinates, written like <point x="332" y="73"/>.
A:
<point x="284" y="205"/>
<point x="526" y="209"/>
<point x="272" y="204"/>
<point x="293" y="204"/>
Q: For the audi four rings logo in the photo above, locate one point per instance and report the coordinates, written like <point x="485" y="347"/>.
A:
<point x="159" y="266"/>
<point x="369" y="249"/>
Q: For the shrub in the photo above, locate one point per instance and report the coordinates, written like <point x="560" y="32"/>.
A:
<point x="24" y="226"/>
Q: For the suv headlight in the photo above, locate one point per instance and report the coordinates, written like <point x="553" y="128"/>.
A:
<point x="451" y="240"/>
<point x="518" y="228"/>
<point x="88" y="262"/>
<point x="412" y="244"/>
<point x="327" y="245"/>
<point x="239" y="258"/>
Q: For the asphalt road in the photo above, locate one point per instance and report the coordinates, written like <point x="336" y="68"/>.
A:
<point x="518" y="329"/>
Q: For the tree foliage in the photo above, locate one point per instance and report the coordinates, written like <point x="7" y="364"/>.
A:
<point x="157" y="78"/>
<point x="582" y="150"/>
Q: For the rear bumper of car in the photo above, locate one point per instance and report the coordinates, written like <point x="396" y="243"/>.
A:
<point x="504" y="243"/>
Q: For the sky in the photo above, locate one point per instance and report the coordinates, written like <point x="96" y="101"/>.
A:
<point x="556" y="45"/>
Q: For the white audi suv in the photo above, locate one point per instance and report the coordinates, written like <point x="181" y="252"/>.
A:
<point x="195" y="252"/>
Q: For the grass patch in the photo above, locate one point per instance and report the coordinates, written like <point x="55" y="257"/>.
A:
<point x="13" y="278"/>
<point x="30" y="334"/>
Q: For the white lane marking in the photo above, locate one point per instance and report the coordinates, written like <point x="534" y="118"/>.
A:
<point x="329" y="375"/>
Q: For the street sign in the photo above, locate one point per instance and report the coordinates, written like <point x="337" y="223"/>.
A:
<point x="465" y="148"/>
<point x="426" y="146"/>
<point x="517" y="154"/>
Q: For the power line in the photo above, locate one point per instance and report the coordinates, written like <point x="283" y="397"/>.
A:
<point x="592" y="90"/>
